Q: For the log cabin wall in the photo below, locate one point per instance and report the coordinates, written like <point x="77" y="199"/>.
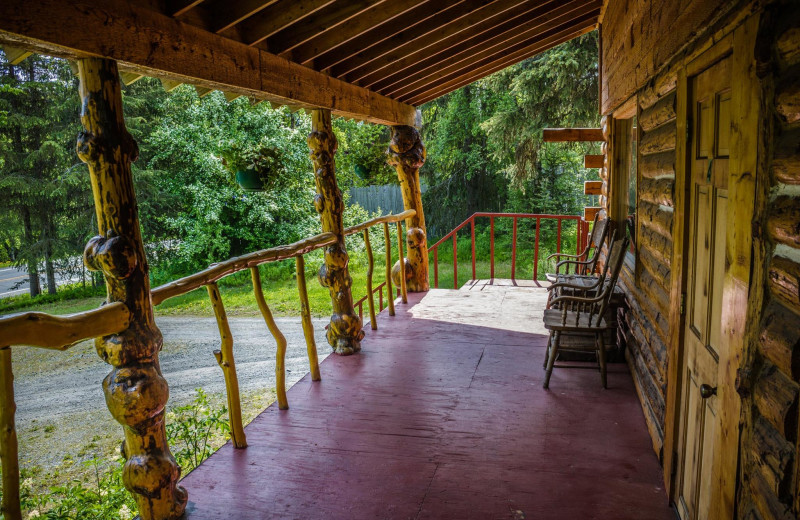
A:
<point x="641" y="37"/>
<point x="646" y="327"/>
<point x="768" y="479"/>
<point x="770" y="441"/>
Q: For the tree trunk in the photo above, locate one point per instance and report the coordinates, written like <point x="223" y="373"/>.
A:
<point x="48" y="256"/>
<point x="33" y="268"/>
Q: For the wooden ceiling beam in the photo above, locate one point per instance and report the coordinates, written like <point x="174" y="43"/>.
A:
<point x="226" y="14"/>
<point x="274" y="19"/>
<point x="452" y="21"/>
<point x="365" y="21"/>
<point x="521" y="35"/>
<point x="472" y="76"/>
<point x="326" y="19"/>
<point x="479" y="27"/>
<point x="380" y="33"/>
<point x="69" y="29"/>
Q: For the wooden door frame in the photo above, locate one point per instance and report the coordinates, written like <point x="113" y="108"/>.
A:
<point x="739" y="43"/>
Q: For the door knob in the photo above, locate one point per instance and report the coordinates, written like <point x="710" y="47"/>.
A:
<point x="707" y="391"/>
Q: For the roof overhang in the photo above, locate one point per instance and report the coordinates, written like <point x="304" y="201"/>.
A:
<point x="367" y="59"/>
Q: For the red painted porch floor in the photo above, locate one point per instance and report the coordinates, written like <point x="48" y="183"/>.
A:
<point x="443" y="416"/>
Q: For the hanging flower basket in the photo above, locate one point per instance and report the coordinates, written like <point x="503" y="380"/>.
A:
<point x="361" y="171"/>
<point x="250" y="180"/>
<point x="256" y="167"/>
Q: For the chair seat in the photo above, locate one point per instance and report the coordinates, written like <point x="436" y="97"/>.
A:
<point x="575" y="322"/>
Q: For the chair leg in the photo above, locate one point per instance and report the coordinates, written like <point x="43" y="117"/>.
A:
<point x="601" y="355"/>
<point x="547" y="351"/>
<point x="551" y="359"/>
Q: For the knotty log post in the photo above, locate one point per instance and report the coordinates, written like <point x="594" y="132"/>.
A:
<point x="344" y="333"/>
<point x="407" y="154"/>
<point x="136" y="393"/>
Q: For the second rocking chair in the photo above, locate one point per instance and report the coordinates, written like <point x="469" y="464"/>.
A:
<point x="584" y="314"/>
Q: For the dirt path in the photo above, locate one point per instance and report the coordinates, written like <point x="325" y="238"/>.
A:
<point x="60" y="402"/>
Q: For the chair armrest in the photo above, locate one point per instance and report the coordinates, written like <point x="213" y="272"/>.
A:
<point x="574" y="299"/>
<point x="566" y="255"/>
<point x="568" y="262"/>
<point x="559" y="285"/>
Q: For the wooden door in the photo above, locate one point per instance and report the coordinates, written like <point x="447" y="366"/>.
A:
<point x="704" y="346"/>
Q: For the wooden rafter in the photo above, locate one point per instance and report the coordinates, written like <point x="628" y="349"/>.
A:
<point x="326" y="19"/>
<point x="226" y="14"/>
<point x="204" y="59"/>
<point x="509" y="54"/>
<point x="507" y="37"/>
<point x="356" y="26"/>
<point x="380" y="33"/>
<point x="501" y="60"/>
<point x="480" y="28"/>
<point x="15" y="56"/>
<point x="452" y="21"/>
<point x="181" y="7"/>
<point x="477" y="74"/>
<point x="276" y="18"/>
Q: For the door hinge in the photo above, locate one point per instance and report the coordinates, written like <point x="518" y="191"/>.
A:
<point x="688" y="130"/>
<point x="683" y="304"/>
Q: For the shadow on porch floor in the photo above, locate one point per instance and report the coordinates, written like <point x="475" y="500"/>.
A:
<point x="442" y="415"/>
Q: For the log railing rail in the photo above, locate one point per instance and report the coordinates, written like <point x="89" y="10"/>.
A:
<point x="369" y="297"/>
<point x="582" y="235"/>
<point x="41" y="330"/>
<point x="61" y="332"/>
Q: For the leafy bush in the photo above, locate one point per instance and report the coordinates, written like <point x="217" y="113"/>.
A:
<point x="191" y="431"/>
<point x="191" y="428"/>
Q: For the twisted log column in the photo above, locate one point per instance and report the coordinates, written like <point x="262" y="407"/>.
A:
<point x="407" y="154"/>
<point x="136" y="393"/>
<point x="344" y="333"/>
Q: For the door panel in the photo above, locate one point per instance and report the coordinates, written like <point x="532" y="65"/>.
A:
<point x="710" y="99"/>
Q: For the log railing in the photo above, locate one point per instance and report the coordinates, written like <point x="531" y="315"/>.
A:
<point x="582" y="236"/>
<point x="369" y="297"/>
<point x="41" y="330"/>
<point x="61" y="332"/>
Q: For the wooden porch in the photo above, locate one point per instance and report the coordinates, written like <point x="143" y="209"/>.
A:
<point x="443" y="415"/>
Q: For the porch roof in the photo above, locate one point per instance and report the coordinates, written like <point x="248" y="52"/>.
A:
<point x="443" y="415"/>
<point x="368" y="59"/>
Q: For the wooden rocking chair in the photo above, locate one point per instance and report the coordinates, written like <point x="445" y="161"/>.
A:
<point x="582" y="262"/>
<point x="585" y="285"/>
<point x="584" y="315"/>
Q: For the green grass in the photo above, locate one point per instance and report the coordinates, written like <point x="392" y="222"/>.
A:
<point x="280" y="288"/>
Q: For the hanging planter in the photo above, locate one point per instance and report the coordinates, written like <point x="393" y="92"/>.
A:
<point x="361" y="171"/>
<point x="250" y="180"/>
<point x="255" y="167"/>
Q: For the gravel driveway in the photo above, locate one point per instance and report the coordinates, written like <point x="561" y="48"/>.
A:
<point x="61" y="412"/>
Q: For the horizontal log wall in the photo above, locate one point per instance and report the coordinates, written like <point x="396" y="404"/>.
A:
<point x="648" y="287"/>
<point x="641" y="37"/>
<point x="770" y="451"/>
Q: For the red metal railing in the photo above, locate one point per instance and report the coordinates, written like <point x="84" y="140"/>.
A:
<point x="582" y="235"/>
